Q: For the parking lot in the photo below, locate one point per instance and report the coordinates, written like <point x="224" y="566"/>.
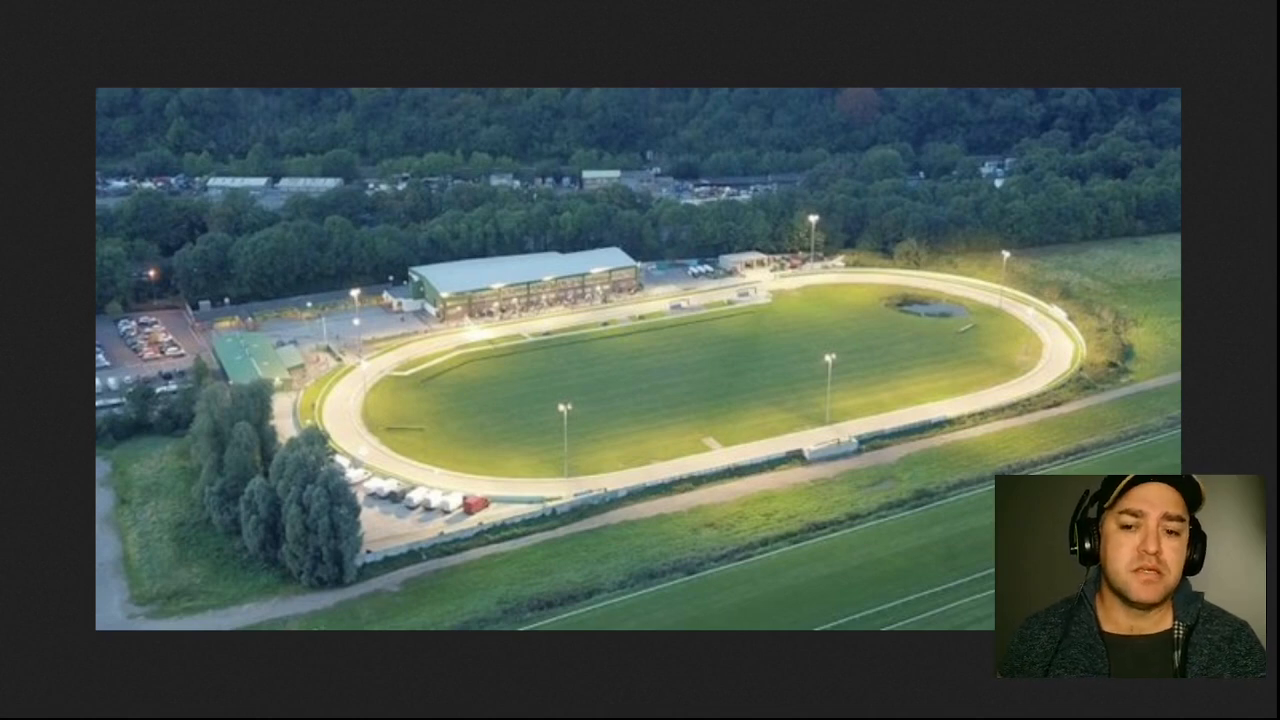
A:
<point x="124" y="362"/>
<point x="388" y="524"/>
<point x="375" y="322"/>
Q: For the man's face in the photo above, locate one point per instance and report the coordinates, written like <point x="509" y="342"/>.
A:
<point x="1144" y="544"/>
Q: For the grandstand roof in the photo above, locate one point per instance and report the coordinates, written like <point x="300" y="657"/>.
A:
<point x="483" y="273"/>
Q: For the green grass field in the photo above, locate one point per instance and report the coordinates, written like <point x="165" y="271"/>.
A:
<point x="314" y="391"/>
<point x="925" y="569"/>
<point x="1160" y="454"/>
<point x="668" y="389"/>
<point x="515" y="588"/>
<point x="1140" y="277"/>
<point x="175" y="561"/>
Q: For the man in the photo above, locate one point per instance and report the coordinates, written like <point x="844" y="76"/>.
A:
<point x="1136" y="614"/>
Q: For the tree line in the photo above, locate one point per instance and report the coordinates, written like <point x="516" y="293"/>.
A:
<point x="287" y="506"/>
<point x="689" y="131"/>
<point x="1120" y="183"/>
<point x="284" y="506"/>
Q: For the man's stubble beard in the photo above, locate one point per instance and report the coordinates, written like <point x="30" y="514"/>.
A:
<point x="1119" y="594"/>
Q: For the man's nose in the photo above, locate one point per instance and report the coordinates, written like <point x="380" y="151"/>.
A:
<point x="1150" y="543"/>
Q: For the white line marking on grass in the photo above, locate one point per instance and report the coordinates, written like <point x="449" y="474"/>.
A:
<point x="1126" y="446"/>
<point x="909" y="598"/>
<point x="838" y="533"/>
<point x="944" y="608"/>
<point x="711" y="443"/>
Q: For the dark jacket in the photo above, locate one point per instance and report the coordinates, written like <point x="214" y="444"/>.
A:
<point x="1208" y="640"/>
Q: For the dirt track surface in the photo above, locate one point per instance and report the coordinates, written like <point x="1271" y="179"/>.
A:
<point x="343" y="423"/>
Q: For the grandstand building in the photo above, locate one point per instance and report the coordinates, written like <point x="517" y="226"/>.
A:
<point x="510" y="285"/>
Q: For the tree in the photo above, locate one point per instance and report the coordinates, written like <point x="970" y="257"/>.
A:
<point x="798" y="239"/>
<point x="861" y="105"/>
<point x="909" y="252"/>
<point x="241" y="462"/>
<point x="140" y="402"/>
<point x="339" y="163"/>
<point x="112" y="275"/>
<point x="881" y="163"/>
<point x="209" y="430"/>
<point x="209" y="478"/>
<point x="322" y="534"/>
<point x="252" y="404"/>
<point x="260" y="521"/>
<point x="200" y="371"/>
<point x="301" y="459"/>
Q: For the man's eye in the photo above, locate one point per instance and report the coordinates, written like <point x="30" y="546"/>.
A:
<point x="1173" y="533"/>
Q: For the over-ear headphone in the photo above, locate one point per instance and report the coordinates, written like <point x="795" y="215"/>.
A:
<point x="1085" y="537"/>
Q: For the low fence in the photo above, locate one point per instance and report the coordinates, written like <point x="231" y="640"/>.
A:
<point x="582" y="499"/>
<point x="219" y="311"/>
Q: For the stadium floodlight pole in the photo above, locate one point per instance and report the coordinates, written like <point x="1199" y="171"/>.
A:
<point x="1004" y="254"/>
<point x="564" y="410"/>
<point x="830" y="358"/>
<point x="359" y="339"/>
<point x="813" y="229"/>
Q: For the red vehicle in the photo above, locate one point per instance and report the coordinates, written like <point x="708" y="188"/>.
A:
<point x="473" y="504"/>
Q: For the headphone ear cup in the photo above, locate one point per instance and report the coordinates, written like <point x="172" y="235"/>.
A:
<point x="1197" y="547"/>
<point x="1087" y="531"/>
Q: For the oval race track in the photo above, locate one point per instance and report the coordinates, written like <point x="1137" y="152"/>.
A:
<point x="1062" y="351"/>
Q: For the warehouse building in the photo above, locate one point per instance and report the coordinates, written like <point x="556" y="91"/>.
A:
<point x="512" y="285"/>
<point x="737" y="262"/>
<point x="218" y="186"/>
<point x="311" y="185"/>
<point x="401" y="299"/>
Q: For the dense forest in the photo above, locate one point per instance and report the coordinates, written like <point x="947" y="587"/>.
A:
<point x="882" y="166"/>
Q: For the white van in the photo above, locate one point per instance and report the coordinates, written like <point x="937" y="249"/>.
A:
<point x="435" y="499"/>
<point x="451" y="502"/>
<point x="416" y="497"/>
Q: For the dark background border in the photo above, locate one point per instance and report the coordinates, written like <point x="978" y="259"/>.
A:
<point x="1223" y="56"/>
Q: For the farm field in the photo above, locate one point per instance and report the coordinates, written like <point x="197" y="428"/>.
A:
<point x="1160" y="454"/>
<point x="923" y="569"/>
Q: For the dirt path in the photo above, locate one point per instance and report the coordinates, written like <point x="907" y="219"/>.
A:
<point x="112" y="592"/>
<point x="249" y="614"/>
